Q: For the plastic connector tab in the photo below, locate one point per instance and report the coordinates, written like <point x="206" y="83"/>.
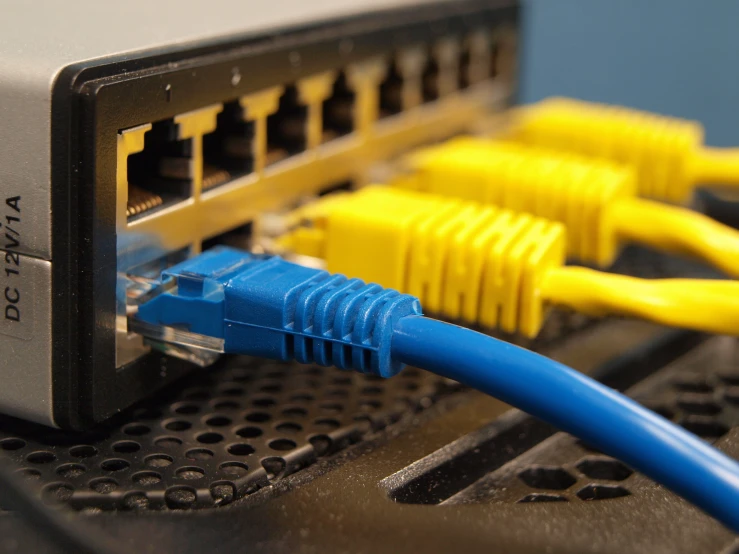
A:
<point x="577" y="192"/>
<point x="595" y="199"/>
<point x="486" y="266"/>
<point x="477" y="264"/>
<point x="268" y="307"/>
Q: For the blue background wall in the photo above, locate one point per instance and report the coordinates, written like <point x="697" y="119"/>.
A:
<point x="678" y="57"/>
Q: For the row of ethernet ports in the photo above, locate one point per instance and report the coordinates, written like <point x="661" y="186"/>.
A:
<point x="162" y="173"/>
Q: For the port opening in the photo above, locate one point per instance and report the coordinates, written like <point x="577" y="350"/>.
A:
<point x="228" y="152"/>
<point x="343" y="186"/>
<point x="430" y="79"/>
<point x="286" y="128"/>
<point x="338" y="110"/>
<point x="161" y="174"/>
<point x="238" y="237"/>
<point x="391" y="92"/>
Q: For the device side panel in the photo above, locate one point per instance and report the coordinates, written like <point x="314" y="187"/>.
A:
<point x="25" y="332"/>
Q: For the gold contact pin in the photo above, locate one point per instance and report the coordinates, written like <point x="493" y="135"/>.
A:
<point x="213" y="176"/>
<point x="140" y="201"/>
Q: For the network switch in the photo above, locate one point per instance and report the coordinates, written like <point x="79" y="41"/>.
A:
<point x="126" y="152"/>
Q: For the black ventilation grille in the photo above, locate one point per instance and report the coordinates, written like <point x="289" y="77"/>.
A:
<point x="699" y="391"/>
<point x="559" y="469"/>
<point x="219" y="437"/>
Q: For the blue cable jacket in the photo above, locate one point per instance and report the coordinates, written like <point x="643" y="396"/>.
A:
<point x="575" y="403"/>
<point x="265" y="306"/>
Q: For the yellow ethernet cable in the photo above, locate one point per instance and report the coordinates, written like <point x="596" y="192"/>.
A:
<point x="667" y="153"/>
<point x="488" y="266"/>
<point x="596" y="200"/>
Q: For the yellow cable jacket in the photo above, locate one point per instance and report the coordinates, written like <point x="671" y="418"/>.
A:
<point x="688" y="303"/>
<point x="677" y="230"/>
<point x="717" y="166"/>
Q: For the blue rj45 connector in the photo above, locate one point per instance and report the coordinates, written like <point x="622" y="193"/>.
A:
<point x="265" y="306"/>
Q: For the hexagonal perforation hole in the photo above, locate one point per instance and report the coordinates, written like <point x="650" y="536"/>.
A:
<point x="705" y="427"/>
<point x="606" y="469"/>
<point x="547" y="477"/>
<point x="729" y="376"/>
<point x="666" y="412"/>
<point x="698" y="403"/>
<point x="689" y="382"/>
<point x="602" y="492"/>
<point x="542" y="497"/>
<point x="731" y="394"/>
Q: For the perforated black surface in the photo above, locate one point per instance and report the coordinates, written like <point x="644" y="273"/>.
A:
<point x="700" y="393"/>
<point x="217" y="437"/>
<point x="556" y="473"/>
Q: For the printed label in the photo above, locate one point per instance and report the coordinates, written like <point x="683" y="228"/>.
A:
<point x="16" y="285"/>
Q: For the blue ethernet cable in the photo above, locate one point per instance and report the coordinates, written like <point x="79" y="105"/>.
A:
<point x="265" y="306"/>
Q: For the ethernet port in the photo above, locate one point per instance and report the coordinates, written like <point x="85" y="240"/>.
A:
<point x="286" y="128"/>
<point x="228" y="152"/>
<point x="238" y="237"/>
<point x="343" y="186"/>
<point x="338" y="110"/>
<point x="161" y="174"/>
<point x="391" y="92"/>
<point x="430" y="79"/>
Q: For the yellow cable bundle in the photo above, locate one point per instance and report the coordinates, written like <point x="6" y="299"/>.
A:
<point x="488" y="266"/>
<point x="596" y="200"/>
<point x="667" y="153"/>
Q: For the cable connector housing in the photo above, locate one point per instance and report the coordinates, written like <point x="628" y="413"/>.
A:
<point x="486" y="266"/>
<point x="476" y="264"/>
<point x="268" y="307"/>
<point x="663" y="150"/>
<point x="596" y="200"/>
<point x="575" y="191"/>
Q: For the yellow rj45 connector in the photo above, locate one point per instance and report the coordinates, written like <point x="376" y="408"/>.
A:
<point x="596" y="200"/>
<point x="667" y="153"/>
<point x="487" y="266"/>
